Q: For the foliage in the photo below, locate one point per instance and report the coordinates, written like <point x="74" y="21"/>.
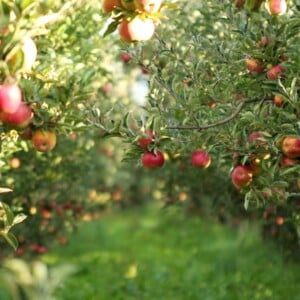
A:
<point x="204" y="91"/>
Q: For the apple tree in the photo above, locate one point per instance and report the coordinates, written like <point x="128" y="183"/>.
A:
<point x="223" y="79"/>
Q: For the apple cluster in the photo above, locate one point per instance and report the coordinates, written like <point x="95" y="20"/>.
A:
<point x="151" y="159"/>
<point x="136" y="19"/>
<point x="243" y="174"/>
<point x="16" y="113"/>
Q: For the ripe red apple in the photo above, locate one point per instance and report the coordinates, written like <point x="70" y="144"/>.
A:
<point x="241" y="176"/>
<point x="254" y="65"/>
<point x="278" y="100"/>
<point x="125" y="57"/>
<point x="43" y="140"/>
<point x="288" y="162"/>
<point x="201" y="159"/>
<point x="110" y="5"/>
<point x="266" y="40"/>
<point x="10" y="98"/>
<point x="149" y="6"/>
<point x="239" y="3"/>
<point x="151" y="160"/>
<point x="290" y="146"/>
<point x="146" y="139"/>
<point x="276" y="7"/>
<point x="254" y="136"/>
<point x="275" y="72"/>
<point x="136" y="29"/>
<point x="20" y="118"/>
<point x="106" y="88"/>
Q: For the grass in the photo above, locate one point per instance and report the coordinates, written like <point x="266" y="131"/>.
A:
<point x="149" y="254"/>
<point x="154" y="255"/>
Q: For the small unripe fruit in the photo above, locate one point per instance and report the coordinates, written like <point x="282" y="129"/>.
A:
<point x="125" y="57"/>
<point x="241" y="176"/>
<point x="201" y="159"/>
<point x="15" y="163"/>
<point x="279" y="220"/>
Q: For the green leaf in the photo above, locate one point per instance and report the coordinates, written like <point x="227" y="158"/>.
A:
<point x="112" y="27"/>
<point x="9" y="216"/>
<point x="19" y="218"/>
<point x="11" y="239"/>
<point x="5" y="190"/>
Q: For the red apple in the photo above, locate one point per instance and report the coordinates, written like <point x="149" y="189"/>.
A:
<point x="239" y="3"/>
<point x="10" y="98"/>
<point x="254" y="136"/>
<point x="20" y="118"/>
<point x="43" y="140"/>
<point x="276" y="7"/>
<point x="241" y="176"/>
<point x="151" y="160"/>
<point x="201" y="159"/>
<point x="146" y="139"/>
<point x="126" y="57"/>
<point x="106" y="88"/>
<point x="288" y="162"/>
<point x="290" y="146"/>
<point x="110" y="5"/>
<point x="254" y="65"/>
<point x="266" y="40"/>
<point x="136" y="29"/>
<point x="278" y="100"/>
<point x="149" y="6"/>
<point x="275" y="72"/>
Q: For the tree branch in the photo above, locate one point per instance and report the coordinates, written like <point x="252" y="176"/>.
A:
<point x="218" y="123"/>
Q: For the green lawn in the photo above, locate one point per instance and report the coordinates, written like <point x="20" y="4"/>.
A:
<point x="156" y="255"/>
<point x="150" y="254"/>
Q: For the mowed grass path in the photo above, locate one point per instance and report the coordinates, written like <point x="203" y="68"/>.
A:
<point x="148" y="254"/>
